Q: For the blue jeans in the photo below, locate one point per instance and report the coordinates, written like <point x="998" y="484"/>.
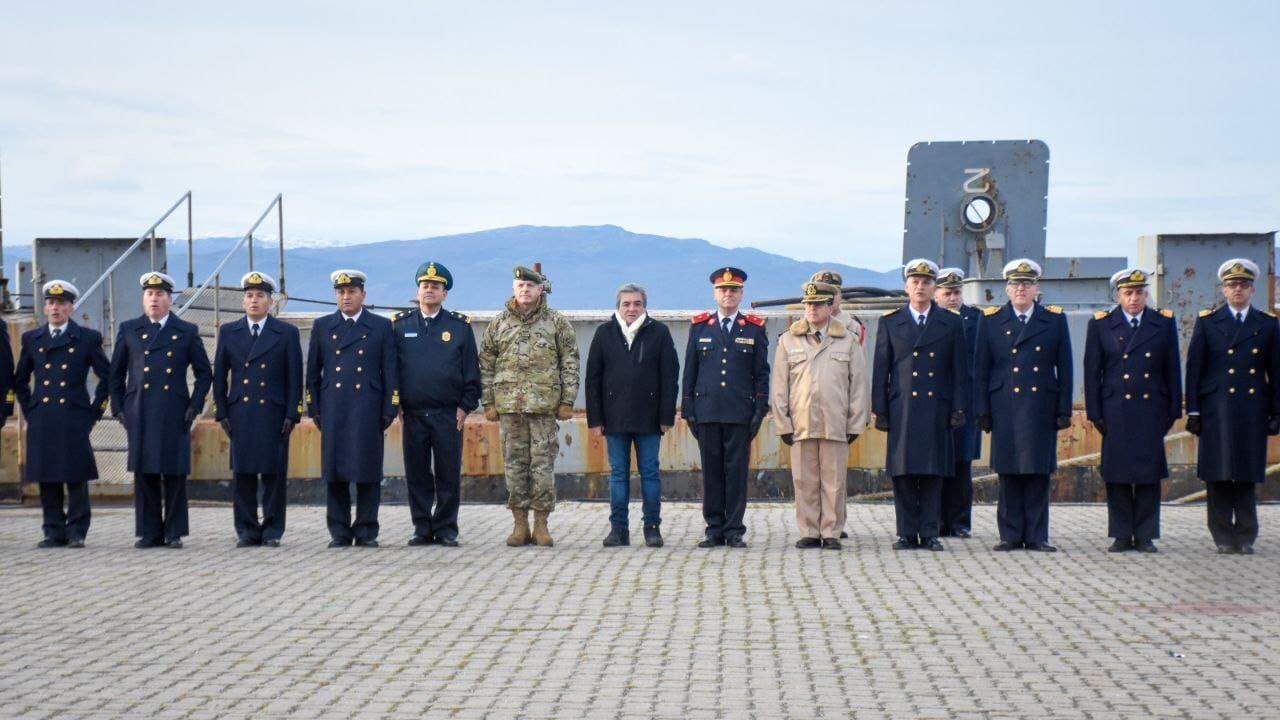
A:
<point x="619" y="445"/>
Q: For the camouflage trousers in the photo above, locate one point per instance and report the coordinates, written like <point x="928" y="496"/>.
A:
<point x="529" y="446"/>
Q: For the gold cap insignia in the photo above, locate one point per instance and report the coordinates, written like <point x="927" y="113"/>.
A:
<point x="811" y="289"/>
<point x="727" y="275"/>
<point x="1024" y="268"/>
<point x="55" y="289"/>
<point x="255" y="279"/>
<point x="155" y="280"/>
<point x="1237" y="268"/>
<point x="1136" y="276"/>
<point x="343" y="279"/>
<point x="431" y="270"/>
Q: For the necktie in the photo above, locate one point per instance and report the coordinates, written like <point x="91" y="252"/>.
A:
<point x="921" y="322"/>
<point x="56" y="333"/>
<point x="725" y="324"/>
<point x="255" y="331"/>
<point x="1022" y="319"/>
<point x="1134" y="323"/>
<point x="350" y="323"/>
<point x="155" y="328"/>
<point x="818" y="334"/>
<point x="1240" y="317"/>
<point x="426" y="322"/>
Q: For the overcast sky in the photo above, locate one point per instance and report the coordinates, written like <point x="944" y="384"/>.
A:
<point x="783" y="126"/>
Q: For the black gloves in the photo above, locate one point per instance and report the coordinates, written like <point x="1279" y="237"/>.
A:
<point x="386" y="422"/>
<point x="226" y="426"/>
<point x="957" y="419"/>
<point x="316" y="419"/>
<point x="848" y="439"/>
<point x="287" y="427"/>
<point x="984" y="423"/>
<point x="1101" y="425"/>
<point x="189" y="418"/>
<point x="119" y="417"/>
<point x="693" y="426"/>
<point x="754" y="427"/>
<point x="1193" y="425"/>
<point x="1064" y="422"/>
<point x="1273" y="425"/>
<point x="788" y="438"/>
<point x="882" y="423"/>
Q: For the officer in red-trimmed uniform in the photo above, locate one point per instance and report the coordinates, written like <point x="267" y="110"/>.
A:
<point x="724" y="400"/>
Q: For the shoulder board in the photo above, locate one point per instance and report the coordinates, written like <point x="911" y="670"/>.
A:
<point x="460" y="316"/>
<point x="700" y="318"/>
<point x="1166" y="313"/>
<point x="887" y="313"/>
<point x="991" y="310"/>
<point x="754" y="319"/>
<point x="403" y="314"/>
<point x="1100" y="314"/>
<point x="1206" y="312"/>
<point x="1053" y="309"/>
<point x="954" y="310"/>
<point x="1268" y="313"/>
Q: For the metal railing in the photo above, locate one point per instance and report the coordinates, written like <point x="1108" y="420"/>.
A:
<point x="215" y="277"/>
<point x="150" y="233"/>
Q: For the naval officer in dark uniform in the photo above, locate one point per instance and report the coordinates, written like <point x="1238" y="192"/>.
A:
<point x="257" y="394"/>
<point x="725" y="396"/>
<point x="956" y="516"/>
<point x="1023" y="376"/>
<point x="52" y="385"/>
<point x="919" y="391"/>
<point x="439" y="370"/>
<point x="1132" y="395"/>
<point x="1233" y="404"/>
<point x="149" y="396"/>
<point x="352" y="395"/>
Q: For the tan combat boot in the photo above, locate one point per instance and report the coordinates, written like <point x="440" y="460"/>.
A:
<point x="541" y="535"/>
<point x="520" y="535"/>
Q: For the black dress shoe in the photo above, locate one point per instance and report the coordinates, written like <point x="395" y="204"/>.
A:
<point x="652" y="537"/>
<point x="144" y="543"/>
<point x="830" y="544"/>
<point x="418" y="540"/>
<point x="963" y="533"/>
<point x="711" y="542"/>
<point x="271" y="543"/>
<point x="447" y="541"/>
<point x="174" y="543"/>
<point x="247" y="542"/>
<point x="1041" y="547"/>
<point x="1246" y="549"/>
<point x="933" y="544"/>
<point x="1226" y="549"/>
<point x="339" y="543"/>
<point x="1006" y="546"/>
<point x="75" y="543"/>
<point x="50" y="543"/>
<point x="735" y="542"/>
<point x="617" y="537"/>
<point x="1146" y="546"/>
<point x="904" y="543"/>
<point x="844" y="535"/>
<point x="807" y="543"/>
<point x="366" y="543"/>
<point x="1120" y="545"/>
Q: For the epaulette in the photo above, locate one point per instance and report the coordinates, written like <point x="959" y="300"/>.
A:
<point x="1056" y="310"/>
<point x="989" y="311"/>
<point x="1100" y="314"/>
<point x="403" y="314"/>
<point x="701" y="318"/>
<point x="460" y="316"/>
<point x="1206" y="312"/>
<point x="1166" y="313"/>
<point x="1268" y="313"/>
<point x="754" y="319"/>
<point x="954" y="310"/>
<point x="887" y="313"/>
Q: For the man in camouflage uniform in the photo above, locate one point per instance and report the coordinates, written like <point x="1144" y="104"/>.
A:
<point x="529" y="378"/>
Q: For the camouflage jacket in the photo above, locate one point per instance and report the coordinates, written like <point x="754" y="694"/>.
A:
<point x="529" y="364"/>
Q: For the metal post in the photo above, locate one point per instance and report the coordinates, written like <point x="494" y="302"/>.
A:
<point x="250" y="251"/>
<point x="109" y="330"/>
<point x="280" y="224"/>
<point x="6" y="302"/>
<point x="191" y="253"/>
<point x="217" y="302"/>
<point x="153" y="250"/>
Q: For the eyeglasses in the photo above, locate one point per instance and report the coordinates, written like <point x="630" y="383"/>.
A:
<point x="1238" y="284"/>
<point x="1020" y="284"/>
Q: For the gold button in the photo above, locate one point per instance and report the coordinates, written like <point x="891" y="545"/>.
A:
<point x="914" y="373"/>
<point x="1008" y="332"/>
<point x="1146" y="375"/>
<point x="930" y="393"/>
<point x="1250" y="391"/>
<point x="725" y="361"/>
<point x="359" y="369"/>
<point x="1015" y="369"/>
<point x="1017" y="389"/>
<point x="1015" y="351"/>
<point x="724" y="372"/>
<point x="930" y="373"/>
<point x="1252" y="370"/>
<point x="246" y="398"/>
<point x="146" y="386"/>
<point x="335" y="337"/>
<point x="263" y="366"/>
<point x="71" y="350"/>
<point x="1148" y="354"/>
<point x="46" y="382"/>
<point x="915" y="354"/>
<point x="340" y="384"/>
<point x="1231" y="351"/>
<point x="246" y="381"/>
<point x="1035" y="369"/>
<point x="1033" y="388"/>
<point x="246" y="364"/>
<point x="361" y="352"/>
<point x="1231" y="371"/>
<point x="62" y="384"/>
<point x="1127" y="396"/>
<point x="1232" y="390"/>
<point x="169" y="354"/>
<point x="48" y="365"/>
<point x="914" y="393"/>
<point x="166" y="387"/>
<point x="722" y="384"/>
<point x="1146" y="396"/>
<point x="1126" y="376"/>
<point x="338" y="369"/>
<point x="1125" y="356"/>
<point x="64" y="366"/>
<point x="146" y="352"/>
<point x="1037" y="348"/>
<point x="1255" y="351"/>
<point x="930" y="354"/>
<point x="335" y="352"/>
<point x="262" y="402"/>
<point x="46" y="400"/>
<point x="262" y="384"/>
<point x="146" y="369"/>
<point x="357" y="386"/>
<point x="64" y="400"/>
<point x="168" y="370"/>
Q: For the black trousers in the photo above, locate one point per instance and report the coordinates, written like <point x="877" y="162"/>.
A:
<point x="1023" y="510"/>
<point x="73" y="524"/>
<point x="957" y="499"/>
<point x="244" y="506"/>
<point x="918" y="500"/>
<point x="1133" y="511"/>
<point x="1233" y="513"/>
<point x="433" y="471"/>
<point x="725" y="449"/>
<point x="338" y="515"/>
<point x="152" y="520"/>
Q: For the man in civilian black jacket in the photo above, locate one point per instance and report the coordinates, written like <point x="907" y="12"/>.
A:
<point x="439" y="384"/>
<point x="631" y="400"/>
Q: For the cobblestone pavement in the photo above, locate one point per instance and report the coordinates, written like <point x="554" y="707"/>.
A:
<point x="583" y="631"/>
